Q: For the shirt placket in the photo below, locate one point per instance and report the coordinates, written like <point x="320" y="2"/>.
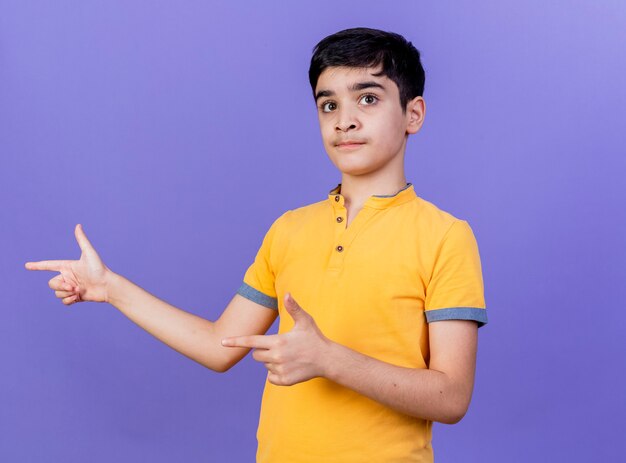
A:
<point x="343" y="237"/>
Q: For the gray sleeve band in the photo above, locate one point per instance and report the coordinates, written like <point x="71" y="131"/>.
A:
<point x="458" y="313"/>
<point x="257" y="296"/>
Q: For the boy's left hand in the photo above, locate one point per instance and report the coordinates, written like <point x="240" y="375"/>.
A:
<point x="292" y="357"/>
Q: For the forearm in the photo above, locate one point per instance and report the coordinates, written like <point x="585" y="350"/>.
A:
<point x="423" y="393"/>
<point x="192" y="336"/>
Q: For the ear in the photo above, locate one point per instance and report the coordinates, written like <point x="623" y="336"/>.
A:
<point x="415" y="113"/>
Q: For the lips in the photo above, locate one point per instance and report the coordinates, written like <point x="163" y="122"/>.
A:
<point x="348" y="143"/>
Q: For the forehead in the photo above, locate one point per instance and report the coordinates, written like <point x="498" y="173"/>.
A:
<point x="340" y="77"/>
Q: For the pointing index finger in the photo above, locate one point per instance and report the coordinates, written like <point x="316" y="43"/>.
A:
<point x="54" y="265"/>
<point x="255" y="341"/>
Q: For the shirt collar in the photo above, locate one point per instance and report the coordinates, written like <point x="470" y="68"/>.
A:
<point x="405" y="194"/>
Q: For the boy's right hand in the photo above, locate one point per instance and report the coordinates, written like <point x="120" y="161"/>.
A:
<point x="80" y="280"/>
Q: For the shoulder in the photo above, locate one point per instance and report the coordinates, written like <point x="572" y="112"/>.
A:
<point x="294" y="218"/>
<point x="434" y="220"/>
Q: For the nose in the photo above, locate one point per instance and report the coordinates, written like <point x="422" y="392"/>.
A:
<point x="346" y="120"/>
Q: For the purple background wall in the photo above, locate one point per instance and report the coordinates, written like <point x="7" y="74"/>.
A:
<point x="176" y="133"/>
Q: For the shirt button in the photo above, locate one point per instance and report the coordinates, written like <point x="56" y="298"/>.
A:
<point x="337" y="198"/>
<point x="339" y="248"/>
<point x="339" y="219"/>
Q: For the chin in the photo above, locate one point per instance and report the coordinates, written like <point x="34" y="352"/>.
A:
<point x="352" y="162"/>
<point x="351" y="168"/>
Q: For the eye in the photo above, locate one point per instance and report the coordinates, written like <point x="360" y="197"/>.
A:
<point x="369" y="99"/>
<point x="328" y="106"/>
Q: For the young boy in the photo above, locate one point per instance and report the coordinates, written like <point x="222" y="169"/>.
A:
<point x="379" y="292"/>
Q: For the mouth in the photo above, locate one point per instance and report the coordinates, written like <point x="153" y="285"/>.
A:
<point x="349" y="145"/>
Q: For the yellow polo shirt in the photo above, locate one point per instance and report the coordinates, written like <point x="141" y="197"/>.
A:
<point x="374" y="287"/>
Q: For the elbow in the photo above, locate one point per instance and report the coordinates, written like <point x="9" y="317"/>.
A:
<point x="218" y="365"/>
<point x="222" y="367"/>
<point x="456" y="409"/>
<point x="221" y="359"/>
<point x="451" y="416"/>
<point x="218" y="368"/>
<point x="454" y="417"/>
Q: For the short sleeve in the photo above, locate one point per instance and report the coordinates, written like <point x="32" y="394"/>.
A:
<point x="258" y="281"/>
<point x="455" y="290"/>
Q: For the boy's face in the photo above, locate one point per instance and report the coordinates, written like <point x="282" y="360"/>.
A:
<point x="355" y="106"/>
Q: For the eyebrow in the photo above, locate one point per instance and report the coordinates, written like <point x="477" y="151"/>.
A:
<point x="354" y="88"/>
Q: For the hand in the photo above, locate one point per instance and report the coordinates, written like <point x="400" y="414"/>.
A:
<point x="79" y="280"/>
<point x="291" y="357"/>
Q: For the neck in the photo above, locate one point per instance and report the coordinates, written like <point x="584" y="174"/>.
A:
<point x="357" y="189"/>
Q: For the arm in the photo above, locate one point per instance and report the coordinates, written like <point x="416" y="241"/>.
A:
<point x="191" y="335"/>
<point x="440" y="393"/>
<point x="88" y="279"/>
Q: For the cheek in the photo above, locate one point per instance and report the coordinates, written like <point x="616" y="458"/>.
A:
<point x="328" y="136"/>
<point x="323" y="128"/>
<point x="391" y="132"/>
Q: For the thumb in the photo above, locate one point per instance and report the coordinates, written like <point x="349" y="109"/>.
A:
<point x="294" y="309"/>
<point x="83" y="242"/>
